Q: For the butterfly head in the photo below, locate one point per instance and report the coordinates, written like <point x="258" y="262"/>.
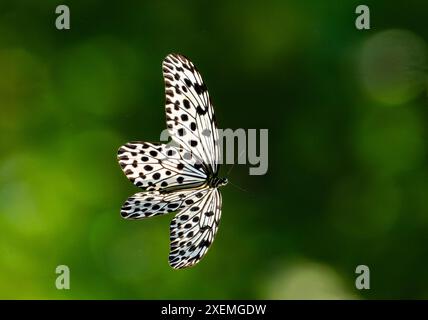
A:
<point x="216" y="182"/>
<point x="222" y="182"/>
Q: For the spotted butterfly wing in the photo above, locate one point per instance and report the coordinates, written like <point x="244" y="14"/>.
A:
<point x="155" y="166"/>
<point x="153" y="203"/>
<point x="193" y="229"/>
<point x="190" y="115"/>
<point x="179" y="178"/>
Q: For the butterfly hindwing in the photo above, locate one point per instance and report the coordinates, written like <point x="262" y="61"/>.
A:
<point x="189" y="112"/>
<point x="152" y="166"/>
<point x="193" y="229"/>
<point x="153" y="203"/>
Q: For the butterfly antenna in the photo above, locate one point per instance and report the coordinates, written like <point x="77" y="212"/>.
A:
<point x="228" y="172"/>
<point x="238" y="187"/>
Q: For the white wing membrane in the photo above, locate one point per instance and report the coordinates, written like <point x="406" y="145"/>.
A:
<point x="153" y="203"/>
<point x="194" y="228"/>
<point x="190" y="115"/>
<point x="179" y="178"/>
<point x="153" y="166"/>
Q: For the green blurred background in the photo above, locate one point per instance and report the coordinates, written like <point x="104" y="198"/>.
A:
<point x="347" y="117"/>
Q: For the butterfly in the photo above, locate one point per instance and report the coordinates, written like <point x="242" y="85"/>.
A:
<point x="181" y="176"/>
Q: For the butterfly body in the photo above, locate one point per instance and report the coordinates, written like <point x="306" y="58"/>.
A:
<point x="216" y="182"/>
<point x="183" y="177"/>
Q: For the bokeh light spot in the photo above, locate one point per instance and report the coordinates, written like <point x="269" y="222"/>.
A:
<point x="307" y="280"/>
<point x="392" y="66"/>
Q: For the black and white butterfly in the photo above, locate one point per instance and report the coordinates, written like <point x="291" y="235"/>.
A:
<point x="184" y="177"/>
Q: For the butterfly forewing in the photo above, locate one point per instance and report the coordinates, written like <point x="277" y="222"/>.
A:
<point x="189" y="112"/>
<point x="152" y="166"/>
